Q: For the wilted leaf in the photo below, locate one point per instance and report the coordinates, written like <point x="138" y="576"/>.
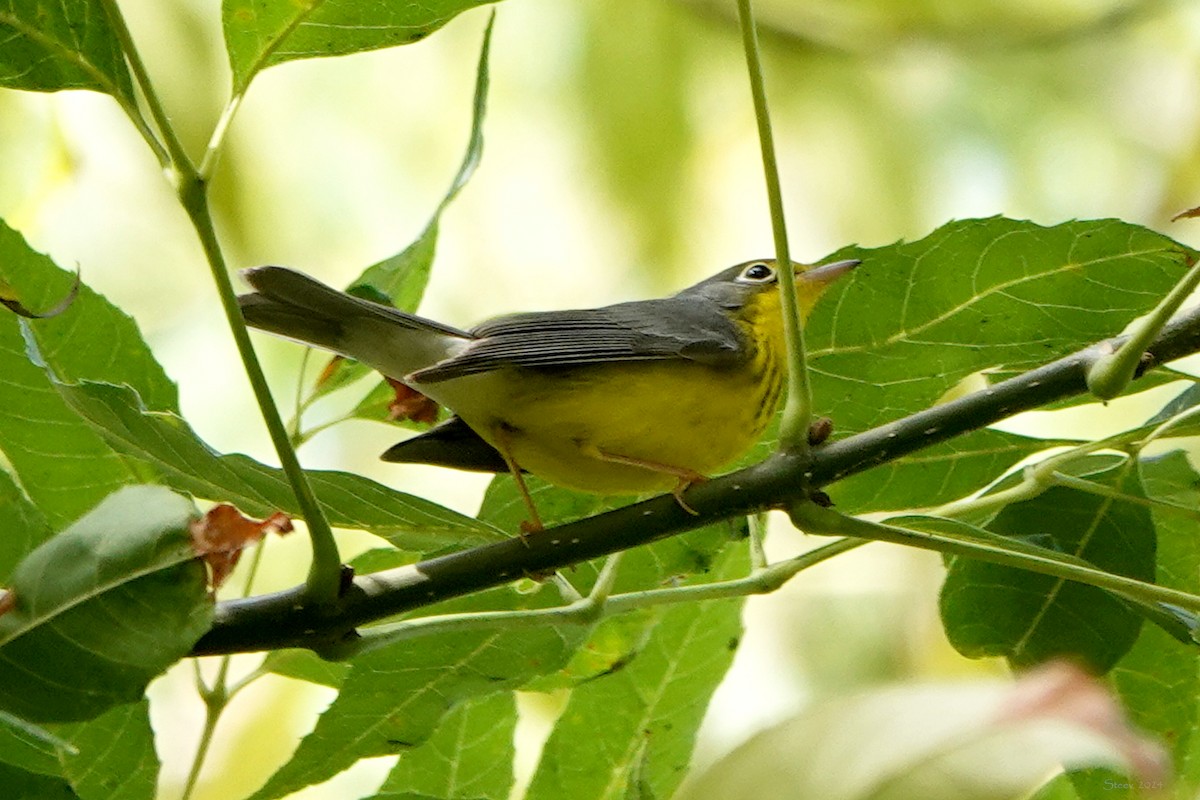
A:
<point x="10" y="300"/>
<point x="220" y="536"/>
<point x="409" y="404"/>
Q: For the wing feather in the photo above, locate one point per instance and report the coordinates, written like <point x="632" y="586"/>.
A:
<point x="673" y="328"/>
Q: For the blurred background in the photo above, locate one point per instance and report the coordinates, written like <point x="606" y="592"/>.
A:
<point x="620" y="162"/>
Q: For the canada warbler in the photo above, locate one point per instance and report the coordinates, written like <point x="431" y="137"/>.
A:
<point x="633" y="397"/>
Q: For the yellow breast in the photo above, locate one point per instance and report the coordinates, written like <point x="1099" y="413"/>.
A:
<point x="678" y="413"/>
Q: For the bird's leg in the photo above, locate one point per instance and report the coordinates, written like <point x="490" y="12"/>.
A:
<point x="687" y="477"/>
<point x="503" y="434"/>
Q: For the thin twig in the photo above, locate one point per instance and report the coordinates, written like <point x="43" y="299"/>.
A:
<point x="797" y="411"/>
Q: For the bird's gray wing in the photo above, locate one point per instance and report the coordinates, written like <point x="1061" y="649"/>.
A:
<point x="648" y="330"/>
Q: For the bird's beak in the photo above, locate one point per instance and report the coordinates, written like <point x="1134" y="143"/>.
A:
<point x="826" y="274"/>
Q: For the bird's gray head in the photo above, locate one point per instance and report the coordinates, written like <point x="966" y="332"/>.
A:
<point x="735" y="286"/>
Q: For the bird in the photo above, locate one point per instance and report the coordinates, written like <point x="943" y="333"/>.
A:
<point x="637" y="397"/>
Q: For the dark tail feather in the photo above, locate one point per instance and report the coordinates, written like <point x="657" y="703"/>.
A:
<point x="292" y="304"/>
<point x="452" y="444"/>
<point x="291" y="321"/>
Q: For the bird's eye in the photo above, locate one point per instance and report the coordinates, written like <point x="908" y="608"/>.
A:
<point x="758" y="272"/>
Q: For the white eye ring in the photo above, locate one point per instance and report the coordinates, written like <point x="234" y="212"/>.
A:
<point x="758" y="272"/>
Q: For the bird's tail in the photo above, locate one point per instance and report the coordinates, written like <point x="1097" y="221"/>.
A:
<point x="293" y="305"/>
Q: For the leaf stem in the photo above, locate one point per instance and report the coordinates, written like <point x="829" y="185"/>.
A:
<point x="216" y="698"/>
<point x="797" y="412"/>
<point x="174" y="158"/>
<point x="995" y="549"/>
<point x="598" y="605"/>
<point x="192" y="189"/>
<point x="758" y="533"/>
<point x="325" y="571"/>
<point x="1091" y="487"/>
<point x="1036" y="478"/>
<point x="1111" y="373"/>
<point x="1167" y="425"/>
<point x="211" y="154"/>
<point x="212" y="713"/>
<point x="295" y="431"/>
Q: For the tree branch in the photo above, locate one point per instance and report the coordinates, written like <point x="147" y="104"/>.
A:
<point x="279" y="620"/>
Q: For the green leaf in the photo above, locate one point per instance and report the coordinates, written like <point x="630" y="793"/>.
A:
<point x="699" y="556"/>
<point x="92" y="339"/>
<point x="22" y="785"/>
<point x="62" y="464"/>
<point x="1159" y="679"/>
<point x="395" y="696"/>
<point x="102" y="608"/>
<point x="401" y="279"/>
<point x="67" y="465"/>
<point x="183" y="461"/>
<point x="1058" y="789"/>
<point x="470" y="755"/>
<point x="636" y="725"/>
<point x="305" y="665"/>
<point x="504" y="508"/>
<point x="993" y="610"/>
<point x="61" y="44"/>
<point x="22" y="526"/>
<point x="61" y="461"/>
<point x="937" y="474"/>
<point x="262" y="33"/>
<point x="116" y="758"/>
<point x="378" y="559"/>
<point x="1019" y="293"/>
<point x="30" y="747"/>
<point x="616" y="639"/>
<point x="1185" y="401"/>
<point x="649" y="566"/>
